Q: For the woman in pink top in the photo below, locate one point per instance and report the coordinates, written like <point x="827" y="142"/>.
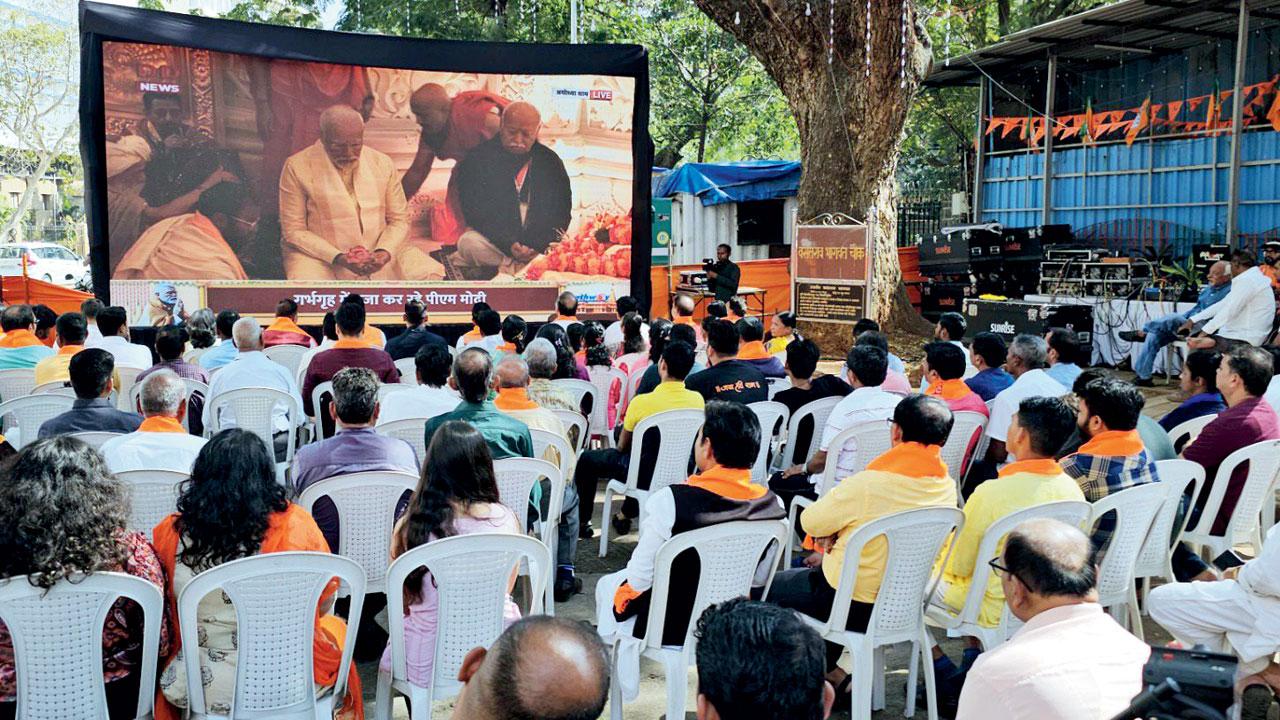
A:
<point x="457" y="495"/>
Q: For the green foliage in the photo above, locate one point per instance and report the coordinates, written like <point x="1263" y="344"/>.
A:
<point x="303" y="13"/>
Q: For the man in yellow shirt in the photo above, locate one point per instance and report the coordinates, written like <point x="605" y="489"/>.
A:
<point x="910" y="476"/>
<point x="612" y="463"/>
<point x="73" y="331"/>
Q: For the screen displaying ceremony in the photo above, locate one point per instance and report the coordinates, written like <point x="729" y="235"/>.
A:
<point x="224" y="167"/>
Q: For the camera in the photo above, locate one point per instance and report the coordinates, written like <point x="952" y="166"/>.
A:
<point x="708" y="263"/>
<point x="1194" y="683"/>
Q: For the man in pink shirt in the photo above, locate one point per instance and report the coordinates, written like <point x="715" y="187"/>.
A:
<point x="944" y="366"/>
<point x="1070" y="661"/>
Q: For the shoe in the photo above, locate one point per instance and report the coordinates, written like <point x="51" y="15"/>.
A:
<point x="566" y="587"/>
<point x="1133" y="336"/>
<point x="1143" y="382"/>
<point x="1255" y="702"/>
<point x="621" y="525"/>
<point x="585" y="531"/>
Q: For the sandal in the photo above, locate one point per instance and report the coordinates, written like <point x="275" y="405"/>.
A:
<point x="844" y="695"/>
<point x="1255" y="701"/>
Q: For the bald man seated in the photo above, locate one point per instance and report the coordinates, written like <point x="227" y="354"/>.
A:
<point x="540" y="667"/>
<point x="514" y="195"/>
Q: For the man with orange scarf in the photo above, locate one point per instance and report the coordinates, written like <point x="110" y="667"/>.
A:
<point x="285" y="330"/>
<point x="910" y="476"/>
<point x="943" y="369"/>
<point x="20" y="348"/>
<point x="752" y="350"/>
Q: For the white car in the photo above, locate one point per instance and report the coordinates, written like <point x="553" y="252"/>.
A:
<point x="45" y="261"/>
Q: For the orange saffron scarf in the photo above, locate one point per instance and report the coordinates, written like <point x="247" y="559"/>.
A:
<point x="753" y="351"/>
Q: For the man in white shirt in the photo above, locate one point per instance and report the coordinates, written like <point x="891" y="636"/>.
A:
<point x="566" y="310"/>
<point x="432" y="396"/>
<point x="90" y="309"/>
<point x="1245" y="314"/>
<point x="114" y="323"/>
<point x="951" y="327"/>
<point x="613" y="333"/>
<point x="1070" y="661"/>
<point x="490" y="324"/>
<point x="160" y="443"/>
<point x="1026" y="360"/>
<point x="865" y="370"/>
<point x="252" y="368"/>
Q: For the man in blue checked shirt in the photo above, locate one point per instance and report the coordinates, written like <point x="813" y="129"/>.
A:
<point x="1158" y="333"/>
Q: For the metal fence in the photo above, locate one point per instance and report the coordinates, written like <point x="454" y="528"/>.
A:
<point x="920" y="215"/>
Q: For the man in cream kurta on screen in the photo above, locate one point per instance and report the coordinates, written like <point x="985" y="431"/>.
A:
<point x="342" y="209"/>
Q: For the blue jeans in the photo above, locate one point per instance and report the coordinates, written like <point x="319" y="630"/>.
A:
<point x="1159" y="333"/>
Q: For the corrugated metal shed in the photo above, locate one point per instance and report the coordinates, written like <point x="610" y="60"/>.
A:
<point x="698" y="228"/>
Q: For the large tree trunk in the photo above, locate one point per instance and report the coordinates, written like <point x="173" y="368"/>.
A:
<point x="850" y="123"/>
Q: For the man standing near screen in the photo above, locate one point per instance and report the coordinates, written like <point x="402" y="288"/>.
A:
<point x="343" y="213"/>
<point x="515" y="198"/>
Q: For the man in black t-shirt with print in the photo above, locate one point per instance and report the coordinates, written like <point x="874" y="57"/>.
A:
<point x="727" y="378"/>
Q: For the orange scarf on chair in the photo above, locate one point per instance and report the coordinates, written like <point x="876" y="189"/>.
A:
<point x="290" y="530"/>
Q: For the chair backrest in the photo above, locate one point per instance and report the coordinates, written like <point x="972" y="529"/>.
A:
<point x="516" y="478"/>
<point x="366" y="504"/>
<point x="914" y="539"/>
<point x="592" y="397"/>
<point x="677" y="429"/>
<point x="385" y="389"/>
<point x="1184" y="432"/>
<point x="866" y="440"/>
<point x="575" y="424"/>
<point x="543" y="439"/>
<point x="1135" y="511"/>
<point x="253" y="408"/>
<point x="128" y="378"/>
<point x="325" y="427"/>
<point x="194" y="387"/>
<point x="470" y="573"/>
<point x="275" y="598"/>
<point x="410" y="430"/>
<point x="57" y="643"/>
<point x="30" y="412"/>
<point x="777" y="385"/>
<point x="95" y="439"/>
<point x="773" y="417"/>
<point x="630" y="387"/>
<point x="1264" y="464"/>
<point x="289" y="356"/>
<point x="819" y="410"/>
<point x="153" y="496"/>
<point x="579" y="389"/>
<point x="16" y="383"/>
<point x="728" y="557"/>
<point x="959" y="450"/>
<point x="53" y="386"/>
<point x="1178" y="476"/>
<point x="408" y="370"/>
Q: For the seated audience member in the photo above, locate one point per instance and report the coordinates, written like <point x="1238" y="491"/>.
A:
<point x="633" y="355"/>
<point x="866" y="325"/>
<point x="490" y="324"/>
<point x="720" y="492"/>
<point x="577" y="333"/>
<point x="566" y="310"/>
<point x="613" y="463"/>
<point x="1244" y="316"/>
<point x="91" y="372"/>
<point x="472" y="377"/>
<point x="782" y="332"/>
<point x="416" y="334"/>
<point x="232" y="507"/>
<point x="752" y="350"/>
<point x="1272" y="395"/>
<point x="474" y="334"/>
<point x="944" y="377"/>
<point x="75" y="516"/>
<point x="513" y="331"/>
<point x="540" y="667"/>
<point x="540" y="356"/>
<point x="512" y="374"/>
<point x="950" y="328"/>
<point x="801" y="364"/>
<point x="613" y="333"/>
<point x="717" y="310"/>
<point x="1198" y="382"/>
<point x="1155" y="439"/>
<point x="20" y="348"/>
<point x="737" y="310"/>
<point x="371" y="335"/>
<point x="1025" y="360"/>
<point x="72" y="334"/>
<point x="727" y="378"/>
<point x="284" y="329"/>
<point x="1160" y="332"/>
<point x="457" y="494"/>
<point x="1070" y="660"/>
<point x="894" y="381"/>
<point x="90" y="309"/>
<point x="328" y="338"/>
<point x="1065" y="354"/>
<point x="46" y="324"/>
<point x="201" y="326"/>
<point x="660" y="333"/>
<point x="160" y="442"/>
<point x="114" y="324"/>
<point x="225" y="351"/>
<point x="865" y="369"/>
<point x="349" y="351"/>
<point x="759" y="660"/>
<point x="566" y="364"/>
<point x="909" y="476"/>
<point x="432" y="395"/>
<point x="170" y="342"/>
<point x="1236" y="615"/>
<point x="989" y="353"/>
<point x="682" y="307"/>
<point x="355" y="448"/>
<point x="251" y="368"/>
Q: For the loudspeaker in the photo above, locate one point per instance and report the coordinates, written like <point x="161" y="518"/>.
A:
<point x="939" y="297"/>
<point x="1008" y="318"/>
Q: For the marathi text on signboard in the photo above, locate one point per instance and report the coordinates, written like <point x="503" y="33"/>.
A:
<point x="832" y="268"/>
<point x="831" y="302"/>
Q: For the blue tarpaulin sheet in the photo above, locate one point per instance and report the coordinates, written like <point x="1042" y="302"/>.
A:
<point x="719" y="183"/>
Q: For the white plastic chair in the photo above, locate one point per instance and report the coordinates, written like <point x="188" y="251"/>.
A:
<point x="289" y="356"/>
<point x="194" y="387"/>
<point x="961" y="447"/>
<point x="410" y="430"/>
<point x="471" y="574"/>
<point x="16" y="383"/>
<point x="153" y="496"/>
<point x="677" y="430"/>
<point x="915" y="539"/>
<point x="57" y="642"/>
<point x="275" y="598"/>
<point x="598" y="390"/>
<point x="1135" y="511"/>
<point x="1183" y="433"/>
<point x="385" y="389"/>
<point x="28" y="413"/>
<point x="728" y="557"/>
<point x="317" y="394"/>
<point x="124" y="393"/>
<point x="575" y="424"/>
<point x="578" y="389"/>
<point x="53" y="386"/>
<point x="773" y="417"/>
<point x="777" y="385"/>
<point x="543" y="439"/>
<point x="408" y="370"/>
<point x="516" y="478"/>
<point x="366" y="505"/>
<point x="985" y="441"/>
<point x="1071" y="512"/>
<point x="1156" y="559"/>
<point x="254" y="409"/>
<point x="1243" y="526"/>
<point x="819" y="411"/>
<point x="95" y="439"/>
